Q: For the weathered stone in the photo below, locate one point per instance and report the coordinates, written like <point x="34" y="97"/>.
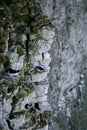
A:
<point x="42" y="98"/>
<point x="45" y="128"/>
<point x="39" y="76"/>
<point x="44" y="46"/>
<point x="47" y="34"/>
<point x="24" y="38"/>
<point x="41" y="90"/>
<point x="40" y="57"/>
<point x="27" y="35"/>
<point x="16" y="62"/>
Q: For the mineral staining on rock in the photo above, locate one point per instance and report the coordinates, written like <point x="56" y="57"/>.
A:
<point x="26" y="36"/>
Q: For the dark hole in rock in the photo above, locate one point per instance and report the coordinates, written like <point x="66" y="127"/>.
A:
<point x="85" y="67"/>
<point x="11" y="116"/>
<point x="70" y="10"/>
<point x="70" y="89"/>
<point x="75" y="106"/>
<point x="68" y="18"/>
<point x="41" y="118"/>
<point x="42" y="56"/>
<point x="49" y="122"/>
<point x="9" y="125"/>
<point x="9" y="90"/>
<point x="36" y="83"/>
<point x="54" y="7"/>
<point x="13" y="71"/>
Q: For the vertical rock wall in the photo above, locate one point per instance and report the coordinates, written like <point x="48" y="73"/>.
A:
<point x="67" y="92"/>
<point x="23" y="97"/>
<point x="26" y="36"/>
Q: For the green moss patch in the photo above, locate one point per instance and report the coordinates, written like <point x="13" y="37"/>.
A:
<point x="2" y="58"/>
<point x="2" y="46"/>
<point x="25" y="91"/>
<point x="19" y="113"/>
<point x="20" y="50"/>
<point x="3" y="91"/>
<point x="6" y="63"/>
<point x="40" y="125"/>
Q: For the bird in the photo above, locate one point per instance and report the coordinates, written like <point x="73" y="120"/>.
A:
<point x="12" y="72"/>
<point x="40" y="68"/>
<point x="27" y="106"/>
<point x="36" y="106"/>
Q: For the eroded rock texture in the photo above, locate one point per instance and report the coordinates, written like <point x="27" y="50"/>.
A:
<point x="26" y="36"/>
<point x="67" y="92"/>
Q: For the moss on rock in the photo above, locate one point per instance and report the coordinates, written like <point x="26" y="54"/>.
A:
<point x="2" y="46"/>
<point x="7" y="63"/>
<point x="20" y="50"/>
<point x="2" y="59"/>
<point x="18" y="113"/>
<point x="4" y="93"/>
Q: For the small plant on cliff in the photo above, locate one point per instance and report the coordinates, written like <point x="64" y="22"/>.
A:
<point x="2" y="58"/>
<point x="7" y="63"/>
<point x="20" y="50"/>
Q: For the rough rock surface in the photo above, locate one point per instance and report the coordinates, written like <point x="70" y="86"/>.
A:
<point x="24" y="66"/>
<point x="25" y="40"/>
<point x="67" y="92"/>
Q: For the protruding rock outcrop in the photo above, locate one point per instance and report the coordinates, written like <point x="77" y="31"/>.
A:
<point x="26" y="36"/>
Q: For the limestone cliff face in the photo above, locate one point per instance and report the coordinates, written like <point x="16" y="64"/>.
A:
<point x="67" y="92"/>
<point x="26" y="36"/>
<point x="36" y="52"/>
